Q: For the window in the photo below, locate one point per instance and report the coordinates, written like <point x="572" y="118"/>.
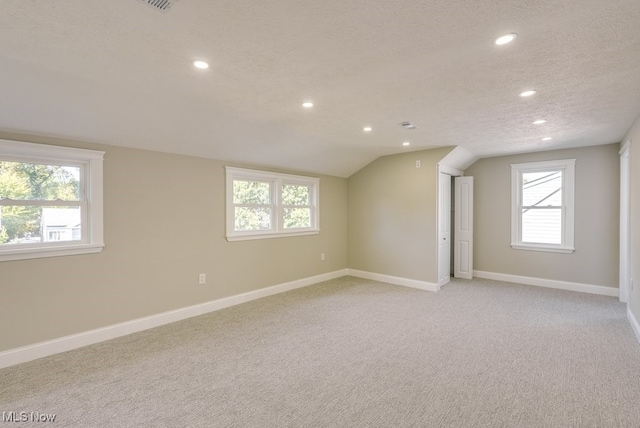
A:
<point x="50" y="201"/>
<point x="542" y="207"/>
<point x="269" y="205"/>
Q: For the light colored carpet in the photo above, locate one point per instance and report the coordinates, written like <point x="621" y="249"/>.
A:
<point x="356" y="353"/>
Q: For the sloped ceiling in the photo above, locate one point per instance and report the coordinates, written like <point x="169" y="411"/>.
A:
<point x="120" y="73"/>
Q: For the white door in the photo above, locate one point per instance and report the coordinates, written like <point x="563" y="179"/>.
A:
<point x="463" y="228"/>
<point x="444" y="229"/>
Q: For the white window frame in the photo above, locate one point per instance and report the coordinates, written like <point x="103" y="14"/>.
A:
<point x="567" y="166"/>
<point x="90" y="163"/>
<point x="277" y="209"/>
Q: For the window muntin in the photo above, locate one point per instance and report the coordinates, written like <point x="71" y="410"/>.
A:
<point x="35" y="199"/>
<point x="543" y="206"/>
<point x="296" y="205"/>
<point x="266" y="205"/>
<point x="50" y="201"/>
<point x="252" y="205"/>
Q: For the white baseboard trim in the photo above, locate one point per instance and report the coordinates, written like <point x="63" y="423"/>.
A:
<point x="634" y="323"/>
<point x="549" y="283"/>
<point x="443" y="282"/>
<point x="67" y="343"/>
<point x="413" y="283"/>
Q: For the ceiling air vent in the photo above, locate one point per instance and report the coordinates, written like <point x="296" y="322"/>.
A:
<point x="408" y="125"/>
<point x="161" y="5"/>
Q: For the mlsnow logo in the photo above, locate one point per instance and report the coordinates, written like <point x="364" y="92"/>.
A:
<point x="28" y="417"/>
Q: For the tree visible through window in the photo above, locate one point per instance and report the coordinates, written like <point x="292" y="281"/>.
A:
<point x="24" y="188"/>
<point x="50" y="201"/>
<point x="263" y="204"/>
<point x="297" y="206"/>
<point x="252" y="204"/>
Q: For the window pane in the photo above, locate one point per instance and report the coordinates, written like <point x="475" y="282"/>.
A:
<point x="26" y="225"/>
<point x="248" y="218"/>
<point x="542" y="189"/>
<point x="251" y="192"/>
<point x="542" y="226"/>
<point x="295" y="195"/>
<point x="297" y="217"/>
<point x="29" y="181"/>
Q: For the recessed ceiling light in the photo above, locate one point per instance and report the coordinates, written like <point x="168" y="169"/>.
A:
<point x="406" y="143"/>
<point x="307" y="104"/>
<point x="367" y="129"/>
<point x="546" y="138"/>
<point x="539" y="122"/>
<point x="200" y="64"/>
<point x="507" y="38"/>
<point x="528" y="93"/>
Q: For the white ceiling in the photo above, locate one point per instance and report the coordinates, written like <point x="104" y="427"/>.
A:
<point x="119" y="72"/>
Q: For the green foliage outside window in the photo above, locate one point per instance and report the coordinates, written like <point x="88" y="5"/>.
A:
<point x="252" y="193"/>
<point x="257" y="215"/>
<point x="27" y="181"/>
<point x="295" y="195"/>
<point x="292" y="196"/>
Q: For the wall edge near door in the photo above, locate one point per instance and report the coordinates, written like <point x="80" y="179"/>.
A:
<point x="634" y="323"/>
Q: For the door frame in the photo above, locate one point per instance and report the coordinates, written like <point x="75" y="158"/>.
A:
<point x="452" y="172"/>
<point x="625" y="260"/>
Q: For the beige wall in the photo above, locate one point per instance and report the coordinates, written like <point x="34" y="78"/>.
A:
<point x="164" y="223"/>
<point x="595" y="260"/>
<point x="392" y="216"/>
<point x="634" y="217"/>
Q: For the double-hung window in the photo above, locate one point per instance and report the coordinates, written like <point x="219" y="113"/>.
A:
<point x="264" y="204"/>
<point x="50" y="201"/>
<point x="542" y="211"/>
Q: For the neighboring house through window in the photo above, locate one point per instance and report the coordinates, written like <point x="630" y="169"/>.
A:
<point x="61" y="224"/>
<point x="50" y="201"/>
<point x="268" y="205"/>
<point x="542" y="206"/>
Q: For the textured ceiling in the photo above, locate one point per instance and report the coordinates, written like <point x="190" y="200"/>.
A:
<point x="120" y="73"/>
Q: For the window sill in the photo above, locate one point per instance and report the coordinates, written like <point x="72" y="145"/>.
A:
<point x="50" y="251"/>
<point x="544" y="248"/>
<point x="270" y="235"/>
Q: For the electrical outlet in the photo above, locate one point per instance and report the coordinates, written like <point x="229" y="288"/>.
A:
<point x="418" y="164"/>
<point x="202" y="279"/>
<point x="322" y="256"/>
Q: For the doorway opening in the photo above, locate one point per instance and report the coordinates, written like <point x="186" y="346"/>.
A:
<point x="455" y="226"/>
<point x="624" y="224"/>
<point x="453" y="221"/>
